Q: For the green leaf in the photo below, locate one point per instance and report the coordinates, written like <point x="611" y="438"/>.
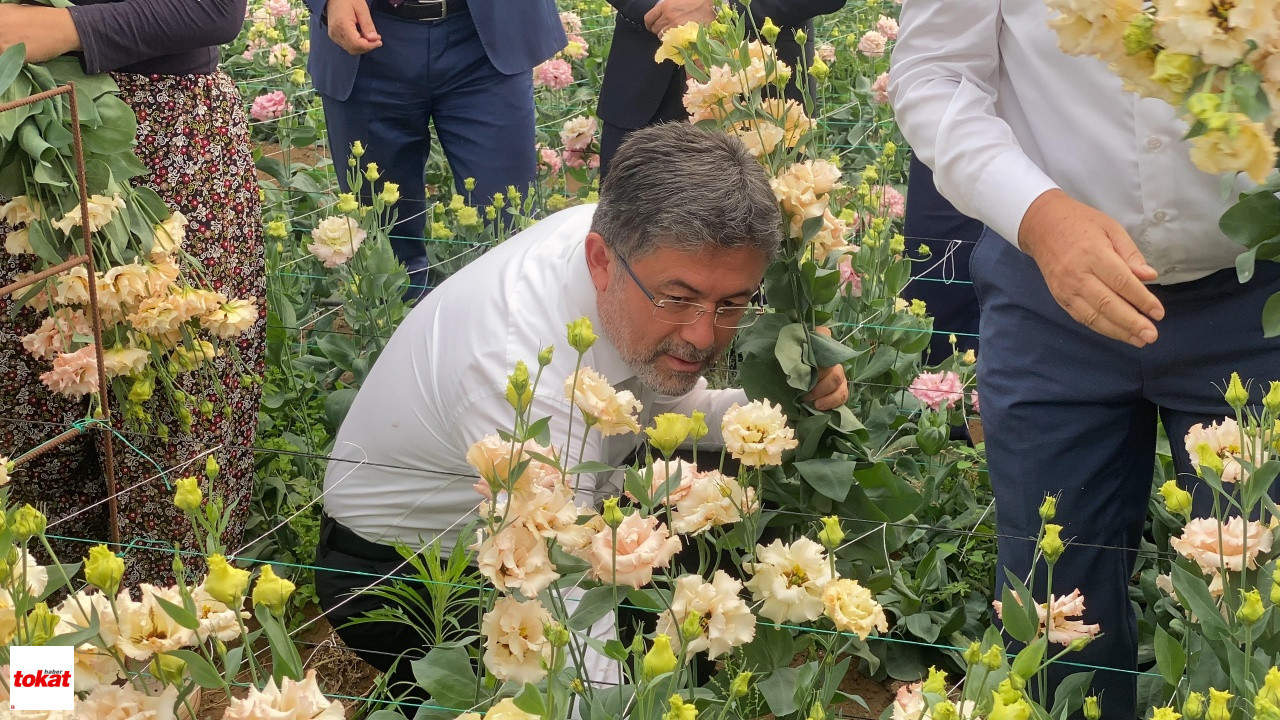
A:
<point x="895" y="497"/>
<point x="792" y="352"/>
<point x="828" y="352"/>
<point x="829" y="476"/>
<point x="1193" y="591"/>
<point x="285" y="661"/>
<point x="1020" y="621"/>
<point x="1069" y="696"/>
<point x="1252" y="220"/>
<point x="202" y="672"/>
<point x="11" y="61"/>
<point x="447" y="675"/>
<point x="1245" y="263"/>
<point x="595" y="604"/>
<point x="530" y="700"/>
<point x="591" y="466"/>
<point x="1171" y="658"/>
<point x="780" y="689"/>
<point x="1271" y="316"/>
<point x="118" y="130"/>
<point x="179" y="614"/>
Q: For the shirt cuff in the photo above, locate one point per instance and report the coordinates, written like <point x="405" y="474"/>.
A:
<point x="1006" y="189"/>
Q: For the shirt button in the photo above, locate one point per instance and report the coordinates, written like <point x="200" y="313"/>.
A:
<point x="1154" y="143"/>
<point x="1160" y="216"/>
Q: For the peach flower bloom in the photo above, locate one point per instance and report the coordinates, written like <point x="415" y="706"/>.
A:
<point x="852" y="608"/>
<point x="1239" y="546"/>
<point x="493" y="459"/>
<point x="72" y="287"/>
<point x="55" y="333"/>
<point x="713" y="500"/>
<point x="1064" y="628"/>
<point x="757" y="433"/>
<point x="726" y="621"/>
<point x="290" y="700"/>
<point x="73" y="374"/>
<point x="232" y="319"/>
<point x="515" y="640"/>
<point x="643" y="544"/>
<point x="119" y="360"/>
<point x="613" y="412"/>
<point x="515" y="558"/>
<point x="125" y="702"/>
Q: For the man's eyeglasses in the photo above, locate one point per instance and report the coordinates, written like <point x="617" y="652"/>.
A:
<point x="679" y="312"/>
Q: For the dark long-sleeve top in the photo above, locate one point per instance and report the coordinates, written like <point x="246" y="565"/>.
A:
<point x="161" y="37"/>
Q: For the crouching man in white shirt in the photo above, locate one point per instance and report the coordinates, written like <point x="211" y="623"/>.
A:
<point x="665" y="267"/>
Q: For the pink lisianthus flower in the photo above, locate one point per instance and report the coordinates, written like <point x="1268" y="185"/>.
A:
<point x="938" y="390"/>
<point x="555" y="74"/>
<point x="269" y="106"/>
<point x="880" y="89"/>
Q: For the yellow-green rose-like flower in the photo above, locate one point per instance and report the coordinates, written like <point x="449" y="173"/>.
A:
<point x="1271" y="686"/>
<point x="1176" y="500"/>
<point x="357" y="149"/>
<point x="41" y="625"/>
<point x="468" y="216"/>
<point x="272" y="590"/>
<point x="699" y="428"/>
<point x="1000" y="710"/>
<point x="390" y="194"/>
<point x="347" y="203"/>
<point x="676" y="39"/>
<point x="680" y="710"/>
<point x="1175" y="71"/>
<point x="669" y="431"/>
<point x="993" y="658"/>
<point x="1251" y="610"/>
<point x="944" y="710"/>
<point x="1092" y="710"/>
<point x="1193" y="706"/>
<point x="519" y="394"/>
<point x="936" y="682"/>
<point x="741" y="684"/>
<point x="1219" y="704"/>
<point x="1166" y="713"/>
<point x="660" y="659"/>
<point x="852" y="608"/>
<point x="103" y="569"/>
<point x="1051" y="544"/>
<point x="187" y="496"/>
<point x="819" y="70"/>
<point x="27" y="522"/>
<point x="1139" y="34"/>
<point x="277" y="229"/>
<point x="371" y="172"/>
<point x="581" y="335"/>
<point x="225" y="583"/>
<point x="769" y="31"/>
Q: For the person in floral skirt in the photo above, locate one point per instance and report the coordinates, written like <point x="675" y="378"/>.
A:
<point x="193" y="138"/>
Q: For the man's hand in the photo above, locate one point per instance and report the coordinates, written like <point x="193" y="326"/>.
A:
<point x="351" y="26"/>
<point x="47" y="32"/>
<point x="1092" y="267"/>
<point x="673" y="13"/>
<point x="832" y="389"/>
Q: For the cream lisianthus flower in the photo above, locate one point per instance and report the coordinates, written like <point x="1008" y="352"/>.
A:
<point x="1064" y="627"/>
<point x="802" y="190"/>
<point x="1221" y="440"/>
<point x="215" y="617"/>
<point x="515" y="558"/>
<point x="1217" y="31"/>
<point x="18" y="242"/>
<point x="795" y="123"/>
<point x="145" y="628"/>
<point x="674" y="40"/>
<point x="641" y="545"/>
<point x="193" y="302"/>
<point x="495" y="459"/>
<point x="1249" y="149"/>
<point x="545" y="511"/>
<point x="162" y="275"/>
<point x="8" y="617"/>
<point x="37" y="575"/>
<point x="125" y="702"/>
<point x="71" y="287"/>
<point x="757" y="433"/>
<point x="576" y="539"/>
<point x="290" y="700"/>
<point x="612" y="412"/>
<point x="852" y="608"/>
<point x="169" y="236"/>
<point x="577" y="133"/>
<point x="155" y="316"/>
<point x="1093" y="27"/>
<point x="830" y="238"/>
<point x="1239" y="547"/>
<point x="713" y="500"/>
<point x="515" y="640"/>
<point x="789" y="580"/>
<point x="94" y="666"/>
<point x="759" y="136"/>
<point x="101" y="208"/>
<point x="231" y="319"/>
<point x="19" y="211"/>
<point x="726" y="621"/>
<point x="119" y="361"/>
<point x="125" y="284"/>
<point x="336" y="239"/>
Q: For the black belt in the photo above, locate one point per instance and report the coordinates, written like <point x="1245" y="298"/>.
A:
<point x="340" y="538"/>
<point x="421" y="10"/>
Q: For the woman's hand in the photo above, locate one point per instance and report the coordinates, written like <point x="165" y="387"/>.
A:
<point x="47" y="32"/>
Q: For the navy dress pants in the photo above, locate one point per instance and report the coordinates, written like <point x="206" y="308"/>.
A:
<point x="425" y="73"/>
<point x="942" y="279"/>
<point x="1072" y="413"/>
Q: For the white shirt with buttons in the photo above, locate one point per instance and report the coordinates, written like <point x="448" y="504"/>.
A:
<point x="399" y="471"/>
<point x="985" y="97"/>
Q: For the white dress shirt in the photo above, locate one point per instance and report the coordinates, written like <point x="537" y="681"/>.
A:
<point x="985" y="97"/>
<point x="400" y="470"/>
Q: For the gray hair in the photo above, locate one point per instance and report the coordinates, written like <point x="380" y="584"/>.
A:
<point x="677" y="186"/>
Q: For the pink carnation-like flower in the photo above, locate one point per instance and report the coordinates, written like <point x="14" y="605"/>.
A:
<point x="850" y="280"/>
<point x="891" y="201"/>
<point x="888" y="27"/>
<point x="973" y="400"/>
<point x="880" y="89"/>
<point x="574" y="159"/>
<point x="872" y="44"/>
<point x="938" y="390"/>
<point x="269" y="106"/>
<point x="826" y="52"/>
<point x="73" y="374"/>
<point x="549" y="158"/>
<point x="277" y="8"/>
<point x="555" y="74"/>
<point x="571" y="22"/>
<point x="576" y="48"/>
<point x="578" y="133"/>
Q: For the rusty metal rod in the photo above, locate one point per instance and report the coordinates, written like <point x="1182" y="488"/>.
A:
<point x="45" y="274"/>
<point x="32" y="99"/>
<point x="46" y="447"/>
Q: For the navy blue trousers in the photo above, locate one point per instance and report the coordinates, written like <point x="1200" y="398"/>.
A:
<point x="941" y="280"/>
<point x="434" y="73"/>
<point x="1070" y="412"/>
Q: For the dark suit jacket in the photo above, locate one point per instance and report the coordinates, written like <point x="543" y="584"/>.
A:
<point x="516" y="34"/>
<point x="634" y="84"/>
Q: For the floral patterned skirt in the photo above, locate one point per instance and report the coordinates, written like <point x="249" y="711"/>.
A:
<point x="193" y="138"/>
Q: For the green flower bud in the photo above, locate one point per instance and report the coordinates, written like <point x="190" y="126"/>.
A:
<point x="1048" y="508"/>
<point x="1051" y="545"/>
<point x="211" y="467"/>
<point x="993" y="658"/>
<point x="973" y="653"/>
<point x="769" y="31"/>
<point x="660" y="659"/>
<point x="1251" y="610"/>
<point x="740" y="685"/>
<point x="544" y="356"/>
<point x="1176" y="500"/>
<point x="27" y="523"/>
<point x="103" y="569"/>
<point x="831" y="534"/>
<point x="187" y="496"/>
<point x="581" y="334"/>
<point x="691" y="628"/>
<point x="612" y="514"/>
<point x="1192" y="707"/>
<point x="1092" y="710"/>
<point x="1236" y="396"/>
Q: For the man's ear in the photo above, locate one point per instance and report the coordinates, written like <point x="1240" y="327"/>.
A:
<point x="599" y="261"/>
